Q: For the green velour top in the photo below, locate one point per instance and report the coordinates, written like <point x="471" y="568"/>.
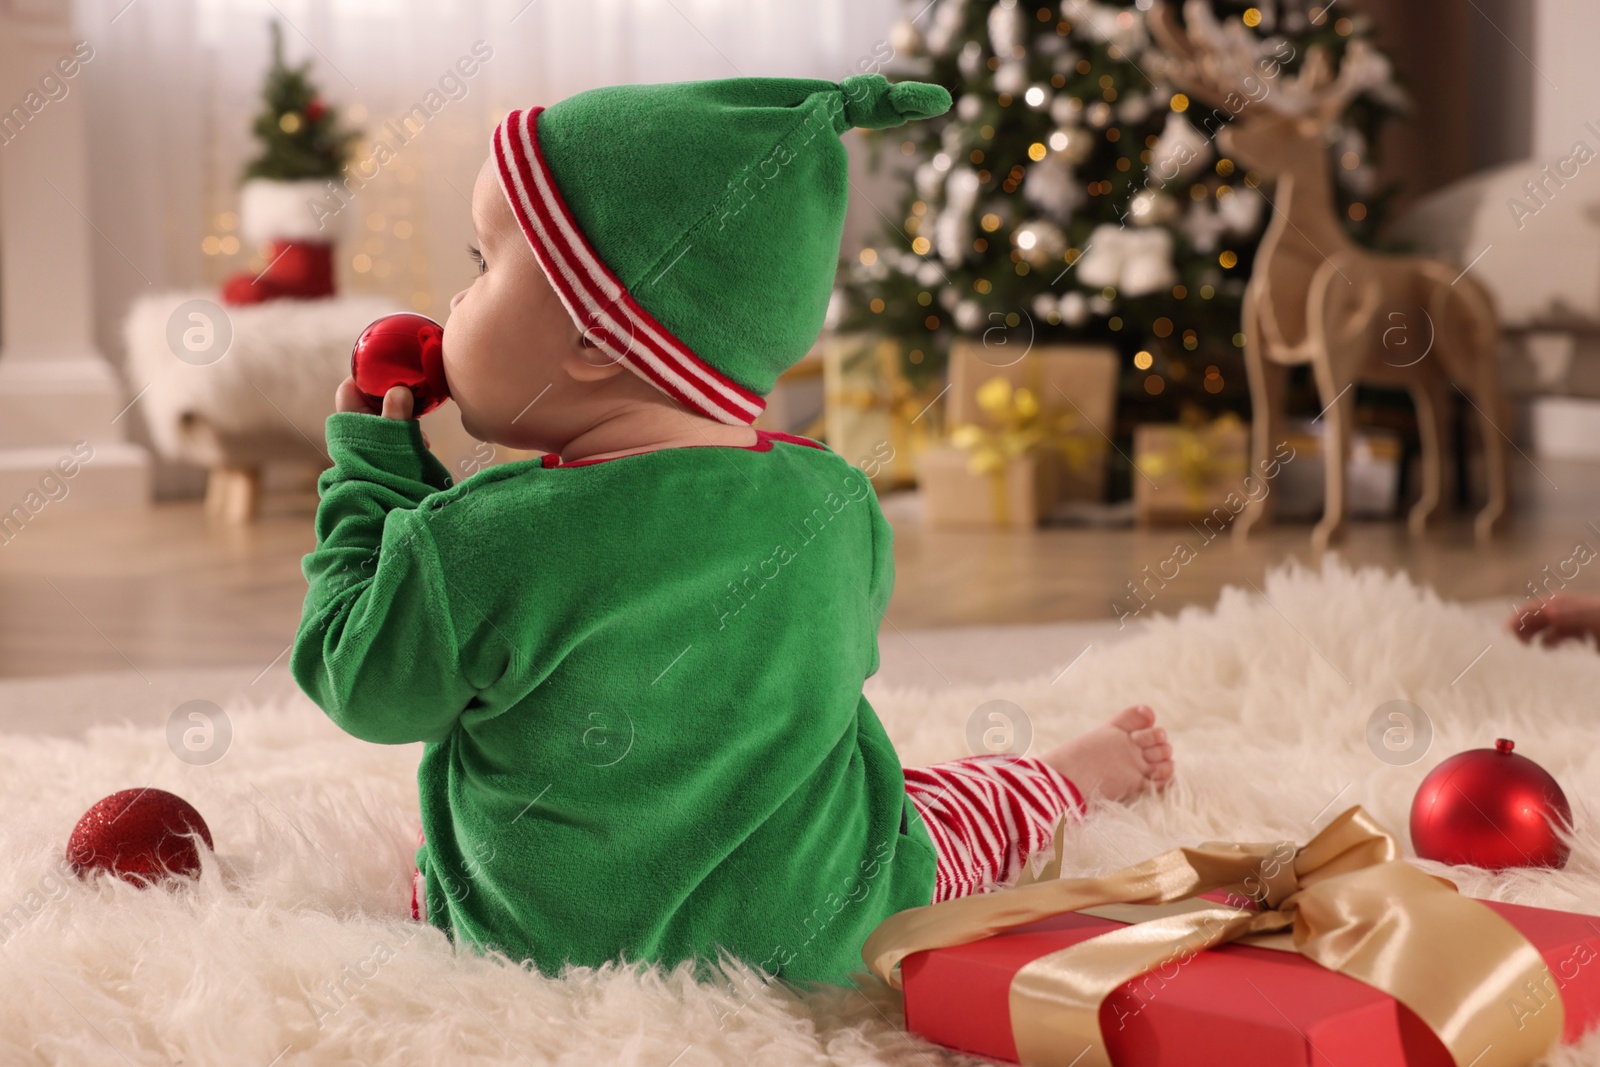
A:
<point x="637" y="682"/>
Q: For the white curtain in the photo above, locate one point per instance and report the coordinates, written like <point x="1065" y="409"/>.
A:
<point x="173" y="86"/>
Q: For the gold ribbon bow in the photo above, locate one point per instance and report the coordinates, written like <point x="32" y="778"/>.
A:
<point x="892" y="392"/>
<point x="1195" y="458"/>
<point x="1017" y="425"/>
<point x="1347" y="900"/>
<point x="1014" y="431"/>
<point x="1014" y="426"/>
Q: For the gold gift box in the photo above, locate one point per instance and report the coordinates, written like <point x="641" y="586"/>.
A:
<point x="1011" y="476"/>
<point x="1076" y="388"/>
<point x="1018" y="493"/>
<point x="1185" y="473"/>
<point x="873" y="416"/>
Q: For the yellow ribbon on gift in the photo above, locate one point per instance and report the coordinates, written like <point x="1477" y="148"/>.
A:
<point x="1017" y="424"/>
<point x="1014" y="430"/>
<point x="1078" y="448"/>
<point x="899" y="399"/>
<point x="1345" y="898"/>
<point x="1196" y="460"/>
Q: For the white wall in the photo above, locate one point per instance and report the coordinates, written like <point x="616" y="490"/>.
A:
<point x="1566" y="75"/>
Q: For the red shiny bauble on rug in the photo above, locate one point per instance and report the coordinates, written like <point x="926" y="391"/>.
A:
<point x="139" y="835"/>
<point x="1489" y="807"/>
<point x="403" y="349"/>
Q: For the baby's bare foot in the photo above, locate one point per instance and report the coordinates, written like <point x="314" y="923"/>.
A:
<point x="1119" y="759"/>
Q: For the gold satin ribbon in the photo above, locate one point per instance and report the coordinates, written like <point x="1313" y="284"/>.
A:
<point x="1013" y="432"/>
<point x="1194" y="457"/>
<point x="1345" y="899"/>
<point x="1076" y="445"/>
<point x="894" y="394"/>
<point x="1017" y="425"/>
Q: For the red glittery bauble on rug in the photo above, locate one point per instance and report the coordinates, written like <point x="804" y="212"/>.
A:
<point x="403" y="349"/>
<point x="139" y="835"/>
<point x="1489" y="807"/>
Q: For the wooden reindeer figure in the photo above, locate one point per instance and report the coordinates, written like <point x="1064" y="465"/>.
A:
<point x="1315" y="296"/>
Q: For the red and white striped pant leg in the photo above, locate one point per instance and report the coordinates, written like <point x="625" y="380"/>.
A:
<point x="419" y="896"/>
<point x="988" y="815"/>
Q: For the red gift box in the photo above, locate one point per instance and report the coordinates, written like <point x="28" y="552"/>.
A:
<point x="1232" y="1006"/>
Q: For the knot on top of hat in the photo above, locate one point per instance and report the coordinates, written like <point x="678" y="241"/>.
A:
<point x="871" y="102"/>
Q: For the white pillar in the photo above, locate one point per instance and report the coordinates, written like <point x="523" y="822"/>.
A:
<point x="1566" y="79"/>
<point x="56" y="389"/>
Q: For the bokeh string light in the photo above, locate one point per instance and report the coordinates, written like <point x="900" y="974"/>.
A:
<point x="1056" y="133"/>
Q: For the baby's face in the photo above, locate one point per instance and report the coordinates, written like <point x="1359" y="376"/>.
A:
<point x="508" y="336"/>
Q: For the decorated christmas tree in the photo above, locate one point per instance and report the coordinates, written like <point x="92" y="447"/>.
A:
<point x="300" y="135"/>
<point x="1071" y="195"/>
<point x="303" y="145"/>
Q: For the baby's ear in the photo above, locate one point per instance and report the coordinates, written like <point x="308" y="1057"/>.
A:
<point x="585" y="361"/>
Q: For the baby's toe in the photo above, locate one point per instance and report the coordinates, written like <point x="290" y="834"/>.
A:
<point x="1139" y="717"/>
<point x="1158" y="754"/>
<point x="1153" y="735"/>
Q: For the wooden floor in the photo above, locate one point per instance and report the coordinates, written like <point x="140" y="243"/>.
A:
<point x="163" y="588"/>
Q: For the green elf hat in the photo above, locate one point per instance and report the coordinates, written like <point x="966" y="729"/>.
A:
<point x="692" y="230"/>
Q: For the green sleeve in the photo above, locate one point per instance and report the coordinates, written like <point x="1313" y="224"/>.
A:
<point x="377" y="648"/>
<point x="882" y="566"/>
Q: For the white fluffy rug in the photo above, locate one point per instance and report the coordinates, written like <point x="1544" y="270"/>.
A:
<point x="294" y="949"/>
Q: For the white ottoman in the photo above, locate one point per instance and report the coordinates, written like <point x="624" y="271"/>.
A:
<point x="233" y="388"/>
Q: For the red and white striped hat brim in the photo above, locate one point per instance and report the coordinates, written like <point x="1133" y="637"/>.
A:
<point x="593" y="296"/>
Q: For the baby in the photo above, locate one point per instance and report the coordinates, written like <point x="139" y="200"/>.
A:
<point x="636" y="663"/>
<point x="1557" y="618"/>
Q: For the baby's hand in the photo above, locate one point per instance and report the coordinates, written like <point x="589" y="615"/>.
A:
<point x="397" y="402"/>
<point x="1562" y="617"/>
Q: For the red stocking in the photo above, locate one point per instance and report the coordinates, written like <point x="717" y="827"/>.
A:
<point x="299" y="269"/>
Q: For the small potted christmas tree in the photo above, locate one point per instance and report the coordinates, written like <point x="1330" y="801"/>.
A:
<point x="303" y="145"/>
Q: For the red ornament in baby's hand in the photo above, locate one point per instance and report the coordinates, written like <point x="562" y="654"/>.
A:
<point x="403" y="349"/>
<point x="139" y="835"/>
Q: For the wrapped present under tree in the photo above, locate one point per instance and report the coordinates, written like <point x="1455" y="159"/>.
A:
<point x="873" y="415"/>
<point x="1185" y="473"/>
<point x="1072" y="389"/>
